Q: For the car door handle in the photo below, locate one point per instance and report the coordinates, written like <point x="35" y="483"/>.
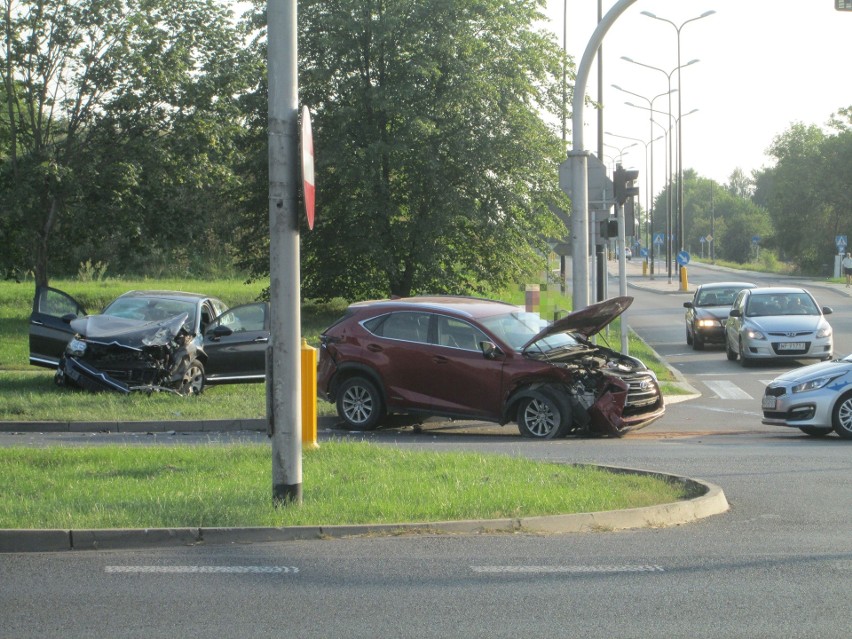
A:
<point x="374" y="348"/>
<point x="440" y="359"/>
<point x="261" y="340"/>
<point x="36" y="322"/>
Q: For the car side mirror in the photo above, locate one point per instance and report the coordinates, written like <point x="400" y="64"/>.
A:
<point x="687" y="304"/>
<point x="68" y="318"/>
<point x="735" y="312"/>
<point x="489" y="349"/>
<point x="827" y="310"/>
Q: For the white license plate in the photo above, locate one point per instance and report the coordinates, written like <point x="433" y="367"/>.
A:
<point x="768" y="402"/>
<point x="792" y="346"/>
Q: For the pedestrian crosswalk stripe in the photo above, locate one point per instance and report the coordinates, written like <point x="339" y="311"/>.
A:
<point x="726" y="390"/>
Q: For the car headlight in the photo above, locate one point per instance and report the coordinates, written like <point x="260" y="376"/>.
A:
<point x="813" y="384"/>
<point x="752" y="333"/>
<point x="76" y="348"/>
<point x="825" y="331"/>
<point x="708" y="323"/>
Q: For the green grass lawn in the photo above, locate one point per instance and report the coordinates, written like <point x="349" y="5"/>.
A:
<point x="343" y="483"/>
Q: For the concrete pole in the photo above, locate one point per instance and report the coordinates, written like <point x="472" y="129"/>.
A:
<point x="283" y="387"/>
<point x="580" y="167"/>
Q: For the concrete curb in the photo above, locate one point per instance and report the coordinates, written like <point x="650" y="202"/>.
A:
<point x="710" y="501"/>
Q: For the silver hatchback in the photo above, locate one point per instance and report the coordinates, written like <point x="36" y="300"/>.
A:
<point x="772" y="323"/>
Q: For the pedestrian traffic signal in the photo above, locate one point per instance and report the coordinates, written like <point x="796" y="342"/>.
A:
<point x="623" y="184"/>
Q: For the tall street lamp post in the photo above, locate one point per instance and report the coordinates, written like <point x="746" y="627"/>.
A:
<point x="649" y="168"/>
<point x="670" y="195"/>
<point x="680" y="130"/>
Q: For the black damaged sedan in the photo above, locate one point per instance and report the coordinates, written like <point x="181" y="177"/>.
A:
<point x="149" y="341"/>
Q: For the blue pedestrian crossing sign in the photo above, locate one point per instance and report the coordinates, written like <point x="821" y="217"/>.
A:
<point x="658" y="238"/>
<point x="840" y="242"/>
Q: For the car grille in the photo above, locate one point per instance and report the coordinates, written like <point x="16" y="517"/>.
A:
<point x="790" y="333"/>
<point x="642" y="391"/>
<point x="125" y="365"/>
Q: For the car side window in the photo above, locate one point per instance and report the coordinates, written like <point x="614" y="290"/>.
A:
<point x="457" y="333"/>
<point x="405" y="325"/>
<point x="249" y="317"/>
<point x="56" y="304"/>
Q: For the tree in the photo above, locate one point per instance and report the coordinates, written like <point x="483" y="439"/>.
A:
<point x="116" y="108"/>
<point x="434" y="169"/>
<point x="805" y="194"/>
<point x="739" y="184"/>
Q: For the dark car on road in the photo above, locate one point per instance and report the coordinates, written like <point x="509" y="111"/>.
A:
<point x="707" y="312"/>
<point x="149" y="340"/>
<point x="472" y="358"/>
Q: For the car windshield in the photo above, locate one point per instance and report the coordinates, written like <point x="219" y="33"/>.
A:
<point x="717" y="297"/>
<point x="148" y="309"/>
<point x="518" y="328"/>
<point x="781" y="304"/>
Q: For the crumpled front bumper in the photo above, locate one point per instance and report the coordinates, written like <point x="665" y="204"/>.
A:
<point x="79" y="373"/>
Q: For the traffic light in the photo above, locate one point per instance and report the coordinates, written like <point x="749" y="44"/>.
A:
<point x="623" y="184"/>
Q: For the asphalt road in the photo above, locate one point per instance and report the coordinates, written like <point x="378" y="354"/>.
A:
<point x="778" y="564"/>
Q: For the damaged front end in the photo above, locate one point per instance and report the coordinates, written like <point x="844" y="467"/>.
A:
<point x="611" y="396"/>
<point x="124" y="355"/>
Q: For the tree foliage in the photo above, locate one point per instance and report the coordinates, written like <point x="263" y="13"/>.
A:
<point x="435" y="171"/>
<point x="807" y="191"/>
<point x="120" y="127"/>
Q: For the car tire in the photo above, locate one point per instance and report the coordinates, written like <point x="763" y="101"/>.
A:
<point x="541" y="416"/>
<point x="744" y="361"/>
<point x="841" y="416"/>
<point x="697" y="343"/>
<point x="732" y="356"/>
<point x="359" y="404"/>
<point x="688" y="338"/>
<point x="815" y="431"/>
<point x="193" y="380"/>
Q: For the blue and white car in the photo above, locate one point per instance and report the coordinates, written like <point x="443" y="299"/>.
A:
<point x="815" y="399"/>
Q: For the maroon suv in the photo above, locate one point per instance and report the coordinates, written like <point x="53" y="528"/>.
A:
<point x="471" y="358"/>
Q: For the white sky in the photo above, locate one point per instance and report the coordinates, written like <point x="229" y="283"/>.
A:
<point x="763" y="65"/>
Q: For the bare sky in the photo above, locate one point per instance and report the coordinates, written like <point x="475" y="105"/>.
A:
<point x="762" y="65"/>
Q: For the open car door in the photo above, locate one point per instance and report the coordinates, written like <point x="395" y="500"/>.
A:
<point x="235" y="344"/>
<point x="50" y="330"/>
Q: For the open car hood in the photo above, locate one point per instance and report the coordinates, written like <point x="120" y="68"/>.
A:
<point x="588" y="321"/>
<point x="106" y="329"/>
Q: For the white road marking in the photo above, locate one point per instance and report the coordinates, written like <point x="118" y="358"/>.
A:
<point x="727" y="390"/>
<point x="203" y="570"/>
<point x="563" y="569"/>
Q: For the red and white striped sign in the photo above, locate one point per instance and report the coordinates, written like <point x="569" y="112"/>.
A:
<point x="308" y="166"/>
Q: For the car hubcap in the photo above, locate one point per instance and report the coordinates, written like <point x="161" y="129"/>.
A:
<point x="844" y="416"/>
<point x="539" y="418"/>
<point x="357" y="405"/>
<point x="193" y="381"/>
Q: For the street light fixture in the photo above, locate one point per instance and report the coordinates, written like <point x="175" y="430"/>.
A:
<point x="649" y="167"/>
<point x="621" y="150"/>
<point x="680" y="131"/>
<point x="669" y="203"/>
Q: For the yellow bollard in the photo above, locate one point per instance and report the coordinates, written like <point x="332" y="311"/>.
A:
<point x="644" y="267"/>
<point x="309" y="395"/>
<point x="684" y="280"/>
